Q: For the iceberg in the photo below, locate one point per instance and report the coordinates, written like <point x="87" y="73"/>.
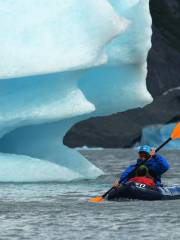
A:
<point x="63" y="62"/>
<point x="155" y="135"/>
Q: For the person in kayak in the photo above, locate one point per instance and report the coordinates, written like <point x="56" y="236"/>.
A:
<point x="156" y="164"/>
<point x="142" y="176"/>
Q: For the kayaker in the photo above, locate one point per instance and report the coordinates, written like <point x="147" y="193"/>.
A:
<point x="142" y="176"/>
<point x="156" y="164"/>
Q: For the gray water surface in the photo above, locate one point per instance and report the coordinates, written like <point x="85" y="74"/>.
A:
<point x="62" y="211"/>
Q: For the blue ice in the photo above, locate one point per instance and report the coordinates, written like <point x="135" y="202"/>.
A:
<point x="62" y="62"/>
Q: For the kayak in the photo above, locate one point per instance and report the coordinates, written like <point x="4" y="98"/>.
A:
<point x="140" y="191"/>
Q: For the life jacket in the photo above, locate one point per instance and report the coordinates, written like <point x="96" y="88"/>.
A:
<point x="143" y="180"/>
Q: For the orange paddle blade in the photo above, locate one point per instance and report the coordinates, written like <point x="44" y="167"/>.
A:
<point x="96" y="199"/>
<point x="176" y="132"/>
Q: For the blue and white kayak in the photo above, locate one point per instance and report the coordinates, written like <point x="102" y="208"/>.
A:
<point x="140" y="191"/>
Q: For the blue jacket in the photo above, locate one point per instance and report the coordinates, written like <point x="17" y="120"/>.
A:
<point x="157" y="165"/>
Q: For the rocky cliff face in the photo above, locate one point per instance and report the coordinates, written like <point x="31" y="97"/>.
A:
<point x="164" y="56"/>
<point x="125" y="129"/>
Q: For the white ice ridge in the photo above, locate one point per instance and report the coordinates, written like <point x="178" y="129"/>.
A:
<point x="62" y="62"/>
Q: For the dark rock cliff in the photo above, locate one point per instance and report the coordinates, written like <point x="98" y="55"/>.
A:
<point x="164" y="56"/>
<point x="125" y="129"/>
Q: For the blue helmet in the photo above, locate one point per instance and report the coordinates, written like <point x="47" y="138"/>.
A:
<point x="145" y="148"/>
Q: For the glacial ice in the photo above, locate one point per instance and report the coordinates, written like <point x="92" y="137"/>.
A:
<point x="155" y="135"/>
<point x="62" y="62"/>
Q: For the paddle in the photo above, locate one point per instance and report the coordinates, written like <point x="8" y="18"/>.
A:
<point x="174" y="135"/>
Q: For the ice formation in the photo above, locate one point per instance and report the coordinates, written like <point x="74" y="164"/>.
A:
<point x="61" y="62"/>
<point x="155" y="135"/>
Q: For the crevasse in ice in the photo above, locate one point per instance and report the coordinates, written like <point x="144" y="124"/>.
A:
<point x="62" y="62"/>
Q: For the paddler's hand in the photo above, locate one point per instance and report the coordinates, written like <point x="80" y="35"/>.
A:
<point x="116" y="184"/>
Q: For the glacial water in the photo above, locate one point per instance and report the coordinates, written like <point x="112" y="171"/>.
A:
<point x="57" y="210"/>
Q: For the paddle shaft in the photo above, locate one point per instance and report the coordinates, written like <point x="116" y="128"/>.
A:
<point x="103" y="196"/>
<point x="163" y="144"/>
<point x="137" y="166"/>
